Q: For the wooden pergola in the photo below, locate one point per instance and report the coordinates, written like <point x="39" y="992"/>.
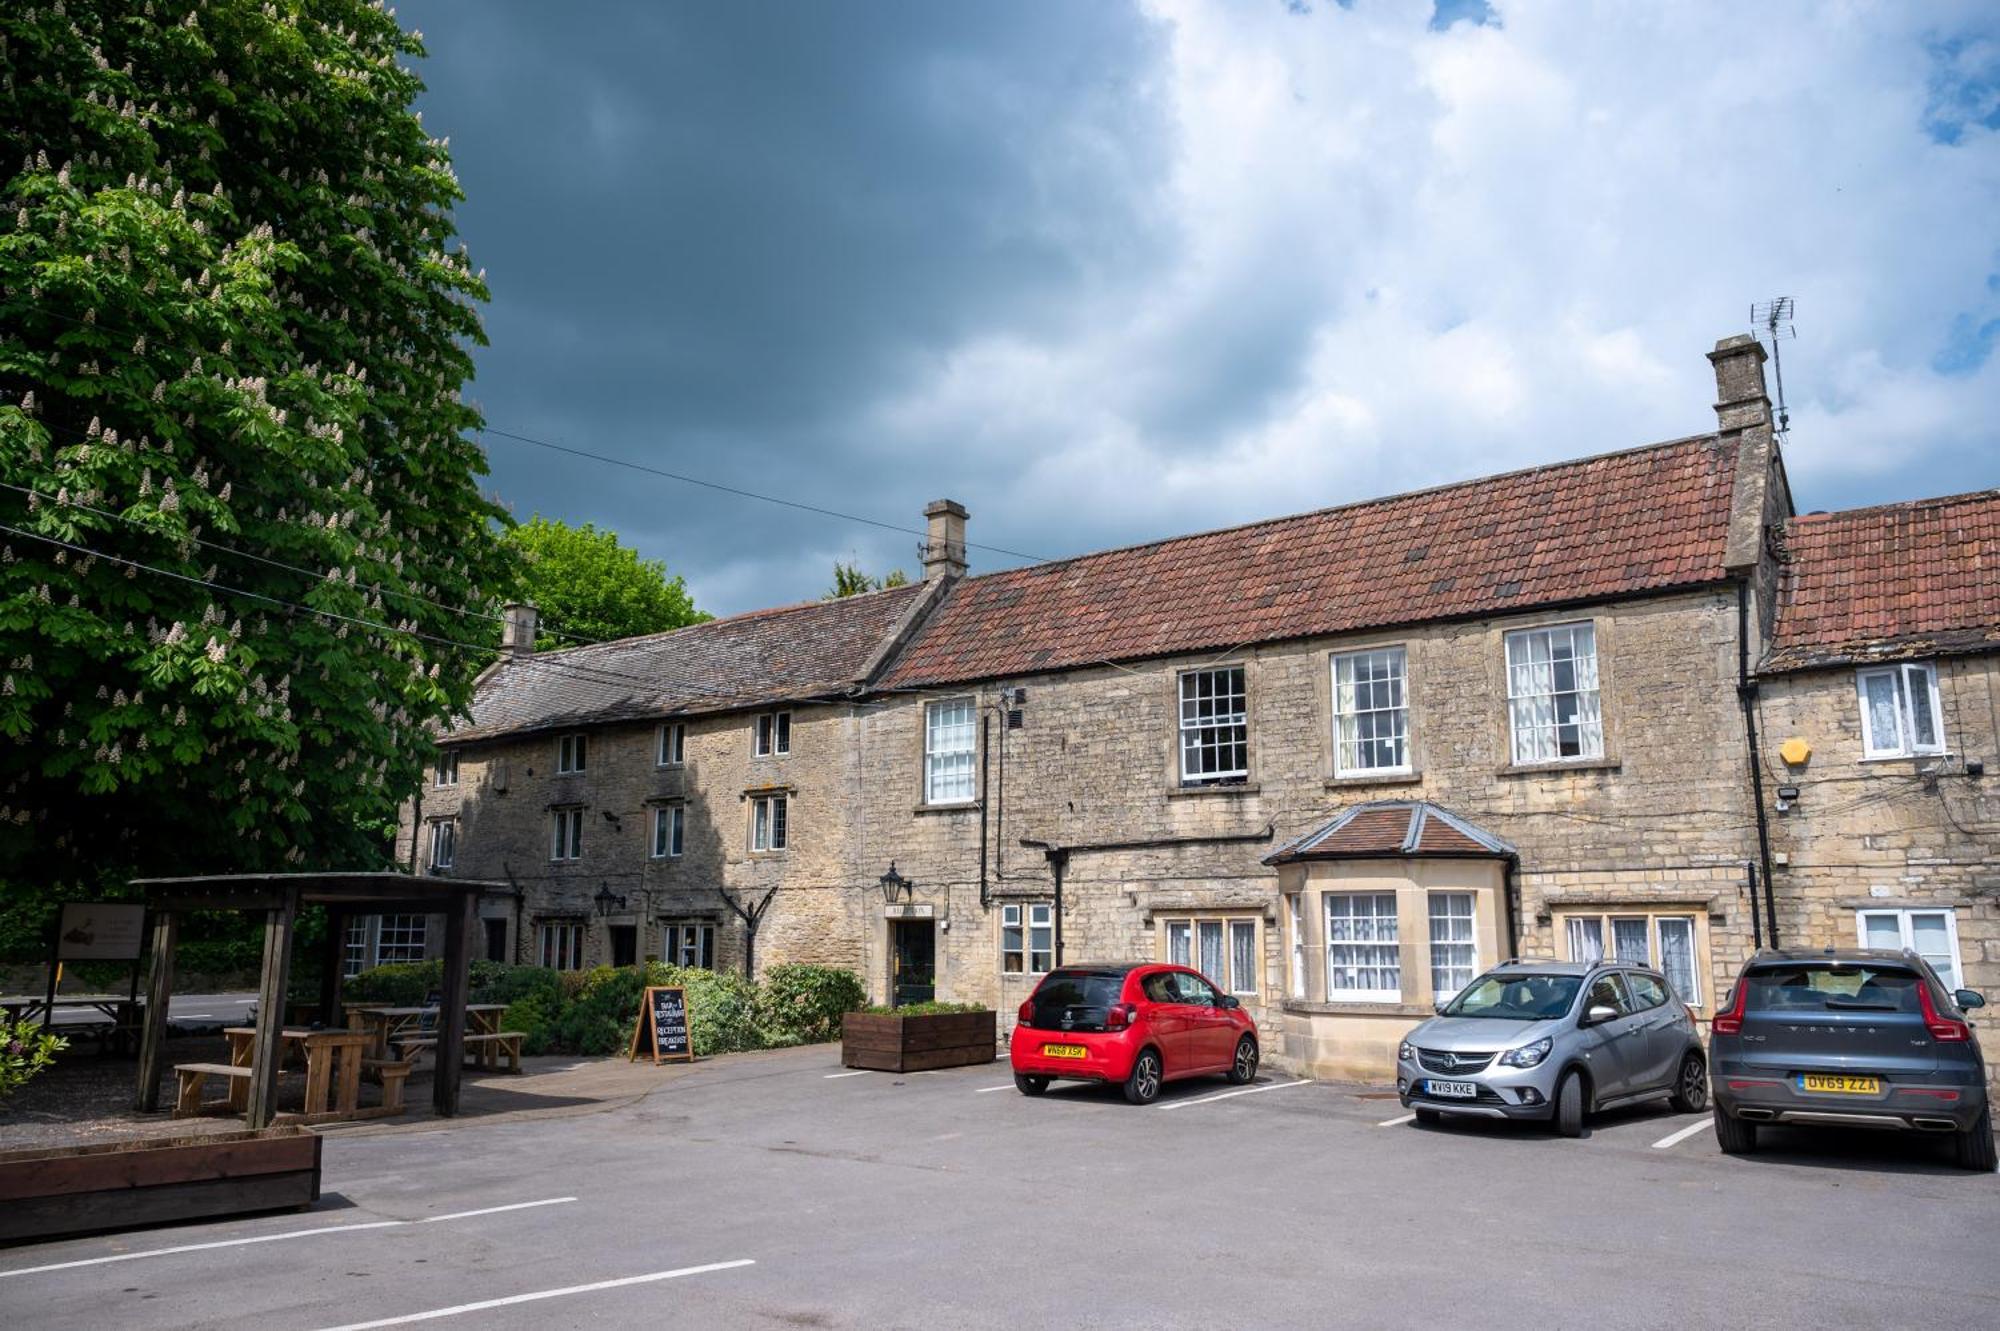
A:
<point x="278" y="897"/>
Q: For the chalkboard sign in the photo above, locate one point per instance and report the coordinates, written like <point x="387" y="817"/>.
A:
<point x="663" y="1021"/>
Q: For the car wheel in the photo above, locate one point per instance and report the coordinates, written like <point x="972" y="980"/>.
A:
<point x="1143" y="1086"/>
<point x="1733" y="1135"/>
<point x="1569" y="1105"/>
<point x="1691" y="1087"/>
<point x="1244" y="1069"/>
<point x="1027" y="1085"/>
<point x="1429" y="1118"/>
<point x="1974" y="1149"/>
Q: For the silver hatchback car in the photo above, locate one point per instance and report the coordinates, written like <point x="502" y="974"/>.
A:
<point x="1554" y="1040"/>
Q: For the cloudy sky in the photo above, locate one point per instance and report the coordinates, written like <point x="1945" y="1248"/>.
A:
<point x="1106" y="273"/>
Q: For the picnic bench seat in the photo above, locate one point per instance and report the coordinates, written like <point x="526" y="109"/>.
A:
<point x="484" y="1046"/>
<point x="193" y="1076"/>
<point x="392" y="1073"/>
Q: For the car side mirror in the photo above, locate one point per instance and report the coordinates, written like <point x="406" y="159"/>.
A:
<point x="1228" y="1002"/>
<point x="1967" y="999"/>
<point x="1598" y="1015"/>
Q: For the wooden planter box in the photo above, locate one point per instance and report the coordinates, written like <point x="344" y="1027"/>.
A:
<point x="52" y="1192"/>
<point x="886" y="1042"/>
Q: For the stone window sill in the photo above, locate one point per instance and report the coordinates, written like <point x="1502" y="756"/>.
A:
<point x="1307" y="1008"/>
<point x="1198" y="792"/>
<point x="1362" y="780"/>
<point x="956" y="806"/>
<point x="1573" y="765"/>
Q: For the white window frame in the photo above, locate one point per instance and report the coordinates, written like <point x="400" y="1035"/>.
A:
<point x="770" y="824"/>
<point x="1525" y="695"/>
<point x="1605" y="920"/>
<point x="670" y="746"/>
<point x="1295" y="914"/>
<point x="1440" y="993"/>
<point x="559" y="945"/>
<point x="401" y="939"/>
<point x="1228" y="979"/>
<point x="356" y="951"/>
<point x="680" y="937"/>
<point x="1335" y="948"/>
<point x="669" y="831"/>
<point x="1196" y="734"/>
<point x="949" y="772"/>
<point x="1907" y="932"/>
<point x="1906" y="676"/>
<point x="572" y="753"/>
<point x="1348" y="717"/>
<point x="444" y="842"/>
<point x="444" y="773"/>
<point x="771" y="735"/>
<point x="1020" y="923"/>
<point x="566" y="833"/>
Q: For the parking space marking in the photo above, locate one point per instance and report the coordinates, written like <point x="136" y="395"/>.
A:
<point x="835" y="1076"/>
<point x="271" y="1238"/>
<point x="1230" y="1095"/>
<point x="1392" y="1122"/>
<point x="536" y="1296"/>
<point x="1676" y="1138"/>
<point x="988" y="1090"/>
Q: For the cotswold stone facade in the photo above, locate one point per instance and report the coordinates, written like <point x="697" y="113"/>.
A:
<point x="1339" y="761"/>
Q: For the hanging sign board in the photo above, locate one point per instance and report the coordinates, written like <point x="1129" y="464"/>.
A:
<point x="663" y="1025"/>
<point x="100" y="931"/>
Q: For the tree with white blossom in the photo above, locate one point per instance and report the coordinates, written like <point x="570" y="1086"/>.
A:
<point x="244" y="509"/>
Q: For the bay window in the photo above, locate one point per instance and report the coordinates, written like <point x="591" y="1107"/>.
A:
<point x="1454" y="949"/>
<point x="1363" y="953"/>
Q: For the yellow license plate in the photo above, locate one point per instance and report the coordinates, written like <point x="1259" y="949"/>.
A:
<point x="1841" y="1085"/>
<point x="1065" y="1051"/>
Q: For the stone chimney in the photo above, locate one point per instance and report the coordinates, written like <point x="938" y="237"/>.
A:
<point x="1740" y="399"/>
<point x="944" y="550"/>
<point x="517" y="628"/>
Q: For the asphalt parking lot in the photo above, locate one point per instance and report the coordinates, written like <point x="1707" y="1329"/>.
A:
<point x="779" y="1190"/>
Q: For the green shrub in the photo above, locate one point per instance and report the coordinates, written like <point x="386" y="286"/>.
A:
<point x="25" y="1049"/>
<point x="405" y="984"/>
<point x="804" y="1004"/>
<point x="535" y="1016"/>
<point x="722" y="1008"/>
<point x="925" y="1009"/>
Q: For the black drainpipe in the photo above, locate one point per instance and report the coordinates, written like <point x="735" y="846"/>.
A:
<point x="985" y="732"/>
<point x="1746" y="694"/>
<point x="1511" y="888"/>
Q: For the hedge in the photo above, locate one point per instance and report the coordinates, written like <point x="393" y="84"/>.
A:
<point x="592" y="1012"/>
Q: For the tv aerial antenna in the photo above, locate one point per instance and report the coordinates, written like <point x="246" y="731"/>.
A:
<point x="1773" y="321"/>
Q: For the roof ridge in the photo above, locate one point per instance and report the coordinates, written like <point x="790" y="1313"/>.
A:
<point x="1351" y="506"/>
<point x="765" y="612"/>
<point x="1910" y="505"/>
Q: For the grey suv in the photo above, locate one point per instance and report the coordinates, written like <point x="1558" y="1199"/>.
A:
<point x="1554" y="1040"/>
<point x="1850" y="1038"/>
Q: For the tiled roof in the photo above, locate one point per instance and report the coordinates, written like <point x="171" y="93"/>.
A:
<point x="1613" y="525"/>
<point x="1898" y="581"/>
<point x="768" y="656"/>
<point x="1392" y="828"/>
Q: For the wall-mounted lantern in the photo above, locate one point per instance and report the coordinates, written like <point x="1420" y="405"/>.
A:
<point x="895" y="885"/>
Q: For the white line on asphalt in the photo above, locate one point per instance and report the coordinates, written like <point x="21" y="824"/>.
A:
<point x="1230" y="1095"/>
<point x="834" y="1076"/>
<point x="988" y="1090"/>
<point x="543" y="1294"/>
<point x="1392" y="1122"/>
<point x="272" y="1238"/>
<point x="192" y="1016"/>
<point x="1675" y="1139"/>
<point x="493" y="1210"/>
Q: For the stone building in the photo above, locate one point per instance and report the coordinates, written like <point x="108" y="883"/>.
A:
<point x="1340" y="761"/>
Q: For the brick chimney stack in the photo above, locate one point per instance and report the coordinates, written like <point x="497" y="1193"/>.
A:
<point x="1741" y="402"/>
<point x="944" y="550"/>
<point x="517" y="628"/>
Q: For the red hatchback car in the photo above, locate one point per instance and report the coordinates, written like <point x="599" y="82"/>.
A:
<point x="1140" y="1025"/>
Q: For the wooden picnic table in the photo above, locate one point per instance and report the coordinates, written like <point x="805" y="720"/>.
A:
<point x="327" y="1054"/>
<point x="122" y="1016"/>
<point x="388" y="1023"/>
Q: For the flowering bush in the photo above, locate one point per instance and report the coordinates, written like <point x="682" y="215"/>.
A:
<point x="25" y="1049"/>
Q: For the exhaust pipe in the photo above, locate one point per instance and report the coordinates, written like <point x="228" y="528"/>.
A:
<point x="1935" y="1124"/>
<point x="1756" y="1115"/>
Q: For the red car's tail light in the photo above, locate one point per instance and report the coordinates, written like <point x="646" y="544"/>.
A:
<point x="1118" y="1016"/>
<point x="1027" y="1011"/>
<point x="1731" y="1022"/>
<point x="1942" y="1029"/>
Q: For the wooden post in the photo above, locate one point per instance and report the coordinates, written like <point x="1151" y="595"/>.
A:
<point x="269" y="1051"/>
<point x="459" y="922"/>
<point x="333" y="968"/>
<point x="159" y="989"/>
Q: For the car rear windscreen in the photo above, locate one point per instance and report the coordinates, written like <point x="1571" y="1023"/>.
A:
<point x="1832" y="987"/>
<point x="1085" y="989"/>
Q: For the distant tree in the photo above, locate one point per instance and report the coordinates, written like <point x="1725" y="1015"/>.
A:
<point x="588" y="585"/>
<point x="849" y="580"/>
<point x="234" y="327"/>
